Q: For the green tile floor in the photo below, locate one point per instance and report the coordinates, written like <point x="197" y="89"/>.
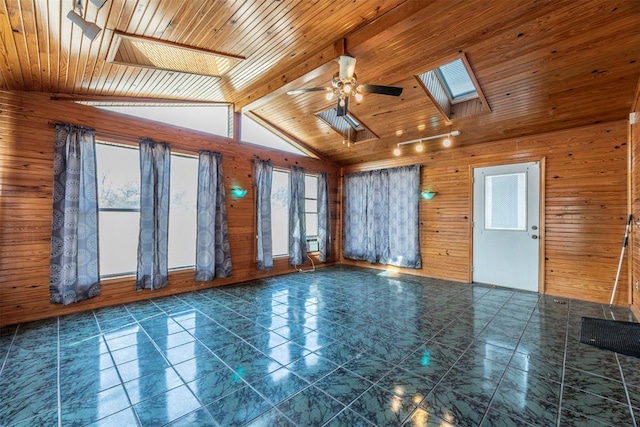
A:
<point x="340" y="347"/>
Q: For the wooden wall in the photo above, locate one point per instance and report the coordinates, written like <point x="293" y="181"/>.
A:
<point x="585" y="207"/>
<point x="26" y="175"/>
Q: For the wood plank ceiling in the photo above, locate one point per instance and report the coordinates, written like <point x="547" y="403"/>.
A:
<point x="542" y="65"/>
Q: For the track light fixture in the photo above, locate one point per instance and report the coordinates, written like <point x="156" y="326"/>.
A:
<point x="89" y="29"/>
<point x="420" y="146"/>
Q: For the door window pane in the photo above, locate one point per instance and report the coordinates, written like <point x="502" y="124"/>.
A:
<point x="505" y="202"/>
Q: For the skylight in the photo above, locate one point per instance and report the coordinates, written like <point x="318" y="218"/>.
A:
<point x="348" y="126"/>
<point x="352" y="122"/>
<point x="454" y="90"/>
<point x="457" y="81"/>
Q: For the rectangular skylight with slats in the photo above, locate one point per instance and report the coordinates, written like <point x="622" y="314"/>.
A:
<point x="457" y="80"/>
<point x="139" y="51"/>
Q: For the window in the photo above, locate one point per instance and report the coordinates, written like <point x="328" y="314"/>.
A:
<point x="118" y="171"/>
<point x="280" y="212"/>
<point x="311" y="211"/>
<point x="255" y="133"/>
<point x="209" y="118"/>
<point x="505" y="202"/>
<point x="457" y="81"/>
<point x="183" y="211"/>
<point x="453" y="89"/>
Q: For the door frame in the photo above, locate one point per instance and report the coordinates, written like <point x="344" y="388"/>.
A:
<point x="542" y="203"/>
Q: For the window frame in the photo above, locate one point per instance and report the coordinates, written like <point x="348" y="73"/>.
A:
<point x="182" y="153"/>
<point x="314" y="237"/>
<point x="106" y="142"/>
<point x="473" y="94"/>
<point x="288" y="173"/>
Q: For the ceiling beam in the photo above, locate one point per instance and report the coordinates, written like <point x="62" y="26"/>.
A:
<point x="362" y="39"/>
<point x="377" y="32"/>
<point x="317" y="64"/>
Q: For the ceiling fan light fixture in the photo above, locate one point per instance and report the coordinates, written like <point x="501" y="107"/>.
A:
<point x="358" y="96"/>
<point x="396" y="151"/>
<point x="347" y="88"/>
<point x="329" y="96"/>
<point x="341" y="101"/>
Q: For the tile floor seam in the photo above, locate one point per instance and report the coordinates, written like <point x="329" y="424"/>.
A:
<point x="246" y="383"/>
<point x="624" y="383"/>
<point x="457" y="360"/>
<point x="59" y="389"/>
<point x="104" y="339"/>
<point x="626" y="392"/>
<point x="6" y="356"/>
<point x="515" y="349"/>
<point x="564" y="363"/>
<point x="202" y="405"/>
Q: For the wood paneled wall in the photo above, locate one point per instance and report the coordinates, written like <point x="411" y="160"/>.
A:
<point x="26" y="177"/>
<point x="585" y="207"/>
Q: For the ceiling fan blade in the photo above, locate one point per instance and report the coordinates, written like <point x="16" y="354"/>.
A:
<point x="309" y="89"/>
<point x="347" y="66"/>
<point x="342" y="110"/>
<point x="382" y="90"/>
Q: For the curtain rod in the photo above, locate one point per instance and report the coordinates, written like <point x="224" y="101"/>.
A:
<point x="54" y="124"/>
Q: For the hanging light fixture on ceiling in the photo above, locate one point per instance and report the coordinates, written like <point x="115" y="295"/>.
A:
<point x="89" y="29"/>
<point x="420" y="145"/>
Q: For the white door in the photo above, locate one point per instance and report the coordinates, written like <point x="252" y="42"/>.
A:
<point x="506" y="220"/>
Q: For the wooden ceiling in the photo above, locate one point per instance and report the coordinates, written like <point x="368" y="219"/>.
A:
<point x="542" y="65"/>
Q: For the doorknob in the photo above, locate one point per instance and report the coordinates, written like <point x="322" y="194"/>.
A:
<point x="534" y="227"/>
<point x="534" y="236"/>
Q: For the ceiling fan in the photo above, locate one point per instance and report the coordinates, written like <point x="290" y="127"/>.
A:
<point x="344" y="84"/>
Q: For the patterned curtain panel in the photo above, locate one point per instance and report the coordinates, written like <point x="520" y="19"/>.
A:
<point x="213" y="254"/>
<point x="263" y="175"/>
<point x="404" y="200"/>
<point x="354" y="239"/>
<point x="378" y="218"/>
<point x="324" y="217"/>
<point x="381" y="216"/>
<point x="297" y="233"/>
<point x="153" y="242"/>
<point x="74" y="271"/>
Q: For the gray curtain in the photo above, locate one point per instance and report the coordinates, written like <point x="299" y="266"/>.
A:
<point x="381" y="223"/>
<point x="153" y="242"/>
<point x="297" y="233"/>
<point x="354" y="239"/>
<point x="74" y="271"/>
<point x="213" y="254"/>
<point x="324" y="217"/>
<point x="263" y="175"/>
<point x="404" y="224"/>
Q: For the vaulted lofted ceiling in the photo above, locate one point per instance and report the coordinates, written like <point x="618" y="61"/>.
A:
<point x="542" y="65"/>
